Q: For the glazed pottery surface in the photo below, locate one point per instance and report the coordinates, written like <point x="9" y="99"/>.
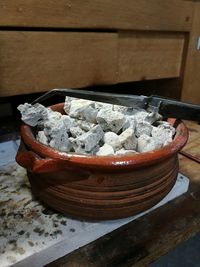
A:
<point x="100" y="187"/>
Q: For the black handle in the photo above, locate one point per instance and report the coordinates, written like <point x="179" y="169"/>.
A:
<point x="177" y="109"/>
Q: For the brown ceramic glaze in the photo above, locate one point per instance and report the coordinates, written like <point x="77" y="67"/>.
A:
<point x="100" y="187"/>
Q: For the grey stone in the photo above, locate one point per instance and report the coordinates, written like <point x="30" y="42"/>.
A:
<point x="123" y="151"/>
<point x="140" y="115"/>
<point x="41" y="137"/>
<point x="84" y="125"/>
<point x="105" y="150"/>
<point x="83" y="109"/>
<point x="113" y="140"/>
<point x="61" y="142"/>
<point x="121" y="109"/>
<point x="101" y="105"/>
<point x="76" y="131"/>
<point x="153" y="117"/>
<point x="163" y="133"/>
<point x="32" y="114"/>
<point x="143" y="128"/>
<point x="128" y="139"/>
<point x="89" y="140"/>
<point x="110" y="120"/>
<point x="58" y="134"/>
<point x="147" y="143"/>
<point x="130" y="122"/>
<point x="67" y="104"/>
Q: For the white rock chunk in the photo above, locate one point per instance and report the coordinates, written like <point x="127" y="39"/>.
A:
<point x="130" y="122"/>
<point x="105" y="150"/>
<point x="147" y="143"/>
<point x="110" y="120"/>
<point x="58" y="134"/>
<point x="163" y="133"/>
<point x="143" y="128"/>
<point x="57" y="122"/>
<point x="113" y="140"/>
<point x="83" y="109"/>
<point x="67" y="104"/>
<point x="140" y="115"/>
<point x="33" y="114"/>
<point x="152" y="117"/>
<point x="76" y="131"/>
<point x="84" y="125"/>
<point x="89" y="140"/>
<point x="61" y="142"/>
<point x="41" y="137"/>
<point x="123" y="151"/>
<point x="120" y="109"/>
<point x="101" y="105"/>
<point x="128" y="139"/>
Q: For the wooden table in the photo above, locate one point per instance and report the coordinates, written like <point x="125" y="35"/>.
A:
<point x="144" y="240"/>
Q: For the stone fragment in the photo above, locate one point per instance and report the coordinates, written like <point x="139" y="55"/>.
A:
<point x="146" y="143"/>
<point x="89" y="140"/>
<point x="121" y="109"/>
<point x="101" y="105"/>
<point x="105" y="150"/>
<point x="140" y="115"/>
<point x="41" y="137"/>
<point x="33" y="114"/>
<point x="67" y="104"/>
<point x="76" y="131"/>
<point x="83" y="109"/>
<point x="58" y="133"/>
<point x="123" y="151"/>
<point x="84" y="125"/>
<point x="61" y="142"/>
<point x="129" y="122"/>
<point x="128" y="139"/>
<point x="57" y="122"/>
<point x="110" y="120"/>
<point x="143" y="128"/>
<point x="113" y="140"/>
<point x="153" y="117"/>
<point x="163" y="133"/>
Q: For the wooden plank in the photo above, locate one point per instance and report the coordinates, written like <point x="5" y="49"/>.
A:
<point x="193" y="145"/>
<point x="191" y="88"/>
<point x="144" y="56"/>
<point x="39" y="61"/>
<point x="144" y="240"/>
<point x="173" y="15"/>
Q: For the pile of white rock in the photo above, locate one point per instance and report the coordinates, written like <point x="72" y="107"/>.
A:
<point x="95" y="128"/>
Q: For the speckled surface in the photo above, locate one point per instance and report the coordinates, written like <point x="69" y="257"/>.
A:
<point x="31" y="233"/>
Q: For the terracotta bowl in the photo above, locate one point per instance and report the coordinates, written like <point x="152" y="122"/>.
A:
<point x="100" y="187"/>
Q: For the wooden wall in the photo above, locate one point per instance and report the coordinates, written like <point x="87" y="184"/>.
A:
<point x="48" y="44"/>
<point x="191" y="85"/>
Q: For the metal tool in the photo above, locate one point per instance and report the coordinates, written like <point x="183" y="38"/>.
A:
<point x="168" y="108"/>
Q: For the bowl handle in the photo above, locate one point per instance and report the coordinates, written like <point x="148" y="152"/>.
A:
<point x="34" y="163"/>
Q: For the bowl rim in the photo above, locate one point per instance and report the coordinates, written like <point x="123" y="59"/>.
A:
<point x="94" y="161"/>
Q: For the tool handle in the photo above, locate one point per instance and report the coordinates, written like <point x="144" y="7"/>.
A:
<point x="170" y="108"/>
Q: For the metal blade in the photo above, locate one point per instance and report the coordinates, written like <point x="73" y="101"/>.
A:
<point x="133" y="101"/>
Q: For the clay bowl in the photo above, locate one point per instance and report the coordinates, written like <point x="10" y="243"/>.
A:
<point x="100" y="187"/>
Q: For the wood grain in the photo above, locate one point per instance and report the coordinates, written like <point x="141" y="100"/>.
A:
<point x="39" y="61"/>
<point x="191" y="88"/>
<point x="193" y="145"/>
<point x="144" y="56"/>
<point x="172" y="15"/>
<point x="144" y="240"/>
